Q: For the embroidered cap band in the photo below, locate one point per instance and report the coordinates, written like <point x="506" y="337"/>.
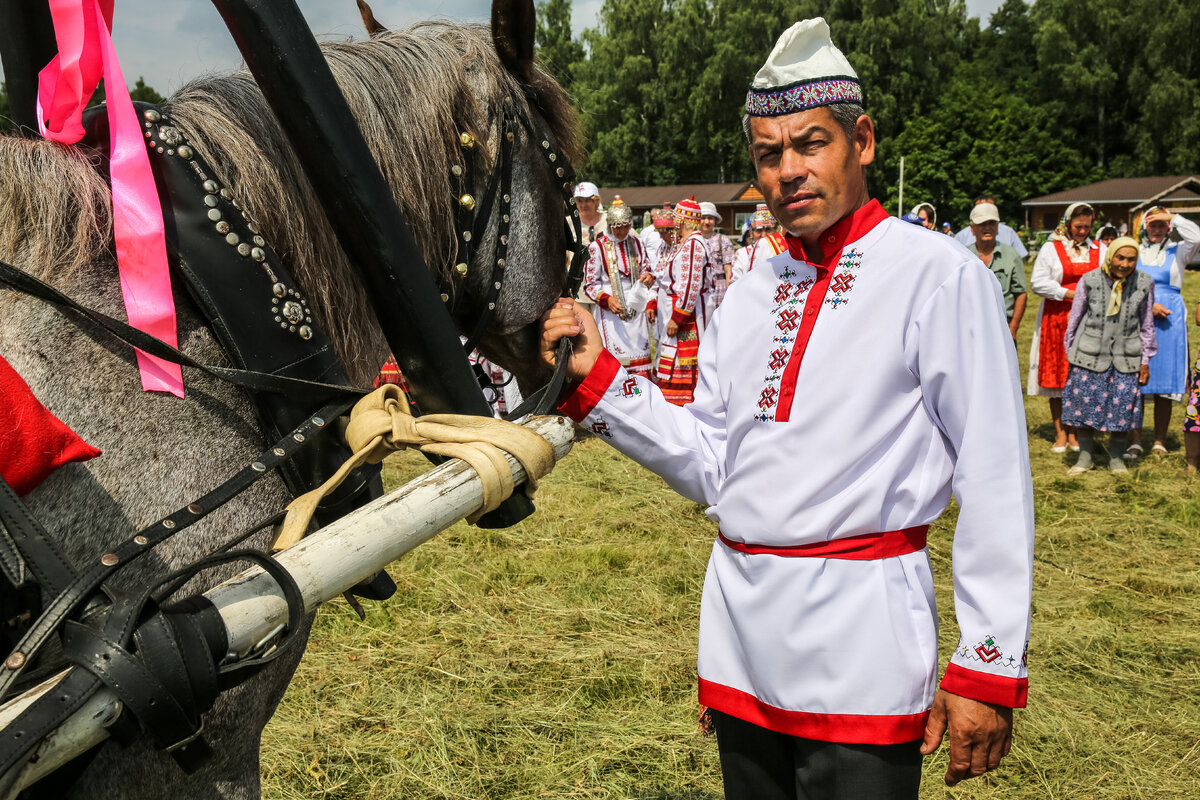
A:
<point x="804" y="71"/>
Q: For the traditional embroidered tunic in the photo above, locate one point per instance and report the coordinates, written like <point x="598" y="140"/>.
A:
<point x="764" y="248"/>
<point x="721" y="250"/>
<point x="628" y="339"/>
<point x="1165" y="263"/>
<point x="1059" y="267"/>
<point x="681" y="298"/>
<point x="839" y="407"/>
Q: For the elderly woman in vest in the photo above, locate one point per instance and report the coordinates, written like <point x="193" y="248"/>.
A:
<point x="1110" y="340"/>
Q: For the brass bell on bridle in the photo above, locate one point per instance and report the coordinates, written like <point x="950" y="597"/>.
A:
<point x="461" y="269"/>
<point x="467" y="202"/>
<point x="467" y="139"/>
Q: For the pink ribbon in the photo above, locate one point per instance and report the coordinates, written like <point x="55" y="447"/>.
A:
<point x="83" y="29"/>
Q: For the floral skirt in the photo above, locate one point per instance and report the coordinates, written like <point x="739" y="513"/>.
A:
<point x="1191" y="413"/>
<point x="1105" y="401"/>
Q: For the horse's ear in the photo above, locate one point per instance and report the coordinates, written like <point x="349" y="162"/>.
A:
<point x="513" y="32"/>
<point x="374" y="28"/>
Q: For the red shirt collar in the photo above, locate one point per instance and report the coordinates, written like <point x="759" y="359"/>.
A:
<point x="849" y="228"/>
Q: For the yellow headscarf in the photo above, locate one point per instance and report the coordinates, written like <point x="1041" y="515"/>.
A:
<point x="1114" y="299"/>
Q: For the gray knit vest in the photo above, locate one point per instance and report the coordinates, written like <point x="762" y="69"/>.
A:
<point x="1100" y="341"/>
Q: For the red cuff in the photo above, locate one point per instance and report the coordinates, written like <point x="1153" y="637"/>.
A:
<point x="603" y="298"/>
<point x="679" y="316"/>
<point x="985" y="688"/>
<point x="579" y="403"/>
<point x="652" y="305"/>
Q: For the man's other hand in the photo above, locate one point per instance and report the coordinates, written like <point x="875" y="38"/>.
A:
<point x="980" y="734"/>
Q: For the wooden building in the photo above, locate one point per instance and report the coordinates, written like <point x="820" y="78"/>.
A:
<point x="1117" y="200"/>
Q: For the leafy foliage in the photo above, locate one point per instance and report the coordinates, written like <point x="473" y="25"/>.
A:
<point x="1046" y="96"/>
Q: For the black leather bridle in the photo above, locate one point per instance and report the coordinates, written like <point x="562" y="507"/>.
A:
<point x="473" y="213"/>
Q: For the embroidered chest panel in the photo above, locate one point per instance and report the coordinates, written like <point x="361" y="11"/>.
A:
<point x="791" y="295"/>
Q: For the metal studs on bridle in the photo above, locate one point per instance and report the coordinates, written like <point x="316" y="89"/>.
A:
<point x="287" y="305"/>
<point x="473" y="210"/>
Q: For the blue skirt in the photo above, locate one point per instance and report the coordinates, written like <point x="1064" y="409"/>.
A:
<point x="1105" y="401"/>
<point x="1169" y="366"/>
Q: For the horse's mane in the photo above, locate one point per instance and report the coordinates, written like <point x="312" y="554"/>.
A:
<point x="412" y="92"/>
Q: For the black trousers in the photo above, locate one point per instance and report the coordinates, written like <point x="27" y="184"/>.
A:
<point x="758" y="764"/>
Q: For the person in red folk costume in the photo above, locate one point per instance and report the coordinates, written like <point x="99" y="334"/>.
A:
<point x="849" y="387"/>
<point x="682" y="271"/>
<point x="1067" y="256"/>
<point x="616" y="278"/>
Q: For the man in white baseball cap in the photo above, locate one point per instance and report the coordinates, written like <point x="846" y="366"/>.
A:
<point x="1001" y="259"/>
<point x="849" y="386"/>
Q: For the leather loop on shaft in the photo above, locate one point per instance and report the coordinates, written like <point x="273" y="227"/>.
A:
<point x="381" y="423"/>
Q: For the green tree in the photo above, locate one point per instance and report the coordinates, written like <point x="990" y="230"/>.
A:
<point x="145" y="94"/>
<point x="980" y="138"/>
<point x="621" y="98"/>
<point x="556" y="47"/>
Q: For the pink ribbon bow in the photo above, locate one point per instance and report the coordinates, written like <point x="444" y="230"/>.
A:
<point x="83" y="29"/>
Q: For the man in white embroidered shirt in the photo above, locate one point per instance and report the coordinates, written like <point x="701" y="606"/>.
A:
<point x="849" y="386"/>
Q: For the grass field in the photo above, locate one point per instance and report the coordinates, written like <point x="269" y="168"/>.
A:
<point x="557" y="658"/>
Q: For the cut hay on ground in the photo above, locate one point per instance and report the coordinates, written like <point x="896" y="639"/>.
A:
<point x="557" y="658"/>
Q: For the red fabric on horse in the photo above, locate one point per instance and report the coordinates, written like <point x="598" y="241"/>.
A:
<point x="33" y="442"/>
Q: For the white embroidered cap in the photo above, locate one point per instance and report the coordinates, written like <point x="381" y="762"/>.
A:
<point x="804" y="71"/>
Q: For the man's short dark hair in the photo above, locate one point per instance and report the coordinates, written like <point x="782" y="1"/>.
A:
<point x="985" y="197"/>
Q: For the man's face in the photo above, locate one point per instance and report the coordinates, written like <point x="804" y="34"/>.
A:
<point x="985" y="232"/>
<point x="708" y="225"/>
<point x="809" y="172"/>
<point x="587" y="205"/>
<point x="619" y="232"/>
<point x="1079" y="228"/>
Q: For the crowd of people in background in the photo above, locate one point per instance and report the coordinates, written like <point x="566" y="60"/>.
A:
<point x="652" y="292"/>
<point x="1110" y="333"/>
<point x="1100" y="346"/>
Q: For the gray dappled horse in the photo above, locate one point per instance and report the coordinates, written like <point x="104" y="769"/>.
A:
<point x="413" y="92"/>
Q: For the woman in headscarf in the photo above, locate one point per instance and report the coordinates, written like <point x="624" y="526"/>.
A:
<point x="1167" y="243"/>
<point x="1110" y="340"/>
<point x="1065" y="258"/>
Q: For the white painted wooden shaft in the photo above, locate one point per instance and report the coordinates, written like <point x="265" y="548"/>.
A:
<point x="324" y="565"/>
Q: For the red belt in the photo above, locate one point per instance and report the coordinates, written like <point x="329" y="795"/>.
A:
<point x="867" y="547"/>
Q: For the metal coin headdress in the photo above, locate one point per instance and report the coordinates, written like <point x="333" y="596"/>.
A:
<point x="619" y="213"/>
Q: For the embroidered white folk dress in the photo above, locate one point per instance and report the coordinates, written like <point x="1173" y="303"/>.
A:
<point x="628" y="338"/>
<point x="837" y="412"/>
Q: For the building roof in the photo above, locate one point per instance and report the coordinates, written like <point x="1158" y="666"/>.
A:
<point x="648" y="196"/>
<point x="1118" y="190"/>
